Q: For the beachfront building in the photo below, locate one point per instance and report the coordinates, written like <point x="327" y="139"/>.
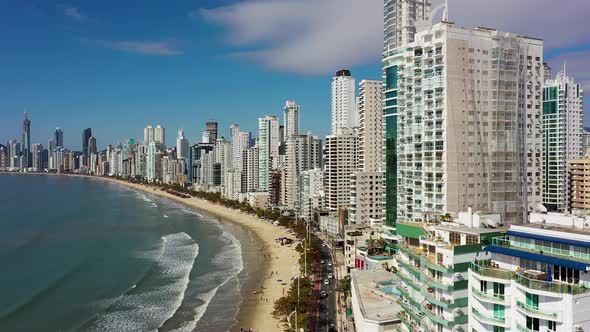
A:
<point x="365" y="197"/>
<point x="301" y="155"/>
<point x="3" y="157"/>
<point x="433" y="260"/>
<point x="340" y="152"/>
<point x="579" y="175"/>
<point x="312" y="192"/>
<point x="344" y="113"/>
<point x="399" y="18"/>
<point x="354" y="234"/>
<point x="563" y="121"/>
<point x="537" y="278"/>
<point x="26" y="142"/>
<point x="469" y="122"/>
<point x="374" y="301"/>
<point x="37" y="157"/>
<point x="268" y="149"/>
<point x="366" y="185"/>
<point x="181" y="145"/>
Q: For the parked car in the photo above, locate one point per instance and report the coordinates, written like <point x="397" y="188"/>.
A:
<point x="323" y="294"/>
<point x="323" y="261"/>
<point x="326" y="282"/>
<point x="330" y="275"/>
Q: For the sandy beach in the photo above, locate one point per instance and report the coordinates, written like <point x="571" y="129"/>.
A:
<point x="256" y="310"/>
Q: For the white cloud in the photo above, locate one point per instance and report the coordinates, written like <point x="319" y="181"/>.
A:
<point x="72" y="12"/>
<point x="304" y="36"/>
<point x="169" y="47"/>
<point x="320" y="36"/>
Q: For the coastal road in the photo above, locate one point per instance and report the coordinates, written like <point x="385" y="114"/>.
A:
<point x="327" y="305"/>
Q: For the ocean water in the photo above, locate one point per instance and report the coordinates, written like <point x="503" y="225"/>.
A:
<point x="79" y="254"/>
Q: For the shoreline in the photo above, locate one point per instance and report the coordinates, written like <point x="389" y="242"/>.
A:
<point x="255" y="311"/>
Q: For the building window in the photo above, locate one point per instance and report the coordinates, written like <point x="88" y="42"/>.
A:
<point x="472" y="239"/>
<point x="483" y="286"/>
<point x="551" y="325"/>
<point x="455" y="238"/>
<point x="532" y="323"/>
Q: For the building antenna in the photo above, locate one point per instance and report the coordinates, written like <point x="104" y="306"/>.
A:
<point x="445" y="17"/>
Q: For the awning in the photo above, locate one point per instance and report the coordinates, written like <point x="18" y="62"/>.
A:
<point x="538" y="257"/>
<point x="578" y="243"/>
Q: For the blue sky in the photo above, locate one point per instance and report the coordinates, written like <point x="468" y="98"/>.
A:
<point x="117" y="66"/>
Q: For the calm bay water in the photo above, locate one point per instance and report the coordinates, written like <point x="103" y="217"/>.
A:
<point x="83" y="254"/>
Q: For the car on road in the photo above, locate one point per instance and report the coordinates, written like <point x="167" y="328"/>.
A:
<point x="323" y="244"/>
<point x="323" y="294"/>
<point x="326" y="282"/>
<point x="329" y="264"/>
<point x="323" y="261"/>
<point x="330" y="275"/>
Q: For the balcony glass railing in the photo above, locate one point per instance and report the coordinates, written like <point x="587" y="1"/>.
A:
<point x="549" y="286"/>
<point x="491" y="296"/>
<point x="534" y="310"/>
<point x="491" y="319"/>
<point x="491" y="272"/>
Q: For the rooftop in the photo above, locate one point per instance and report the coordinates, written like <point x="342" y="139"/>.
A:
<point x="378" y="295"/>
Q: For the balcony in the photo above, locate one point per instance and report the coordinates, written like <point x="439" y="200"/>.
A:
<point x="535" y="312"/>
<point x="488" y="319"/>
<point x="491" y="272"/>
<point x="437" y="283"/>
<point x="489" y="297"/>
<point x="549" y="286"/>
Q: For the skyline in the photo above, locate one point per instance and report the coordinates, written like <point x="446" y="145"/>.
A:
<point x="114" y="72"/>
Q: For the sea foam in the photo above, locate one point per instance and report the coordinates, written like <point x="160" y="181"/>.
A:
<point x="159" y="294"/>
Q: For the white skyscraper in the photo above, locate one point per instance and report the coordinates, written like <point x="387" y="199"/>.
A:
<point x="343" y="101"/>
<point x="367" y="182"/>
<point x="148" y="135"/>
<point x="268" y="149"/>
<point x="300" y="156"/>
<point x="312" y="192"/>
<point x="251" y="169"/>
<point x="151" y="161"/>
<point x="469" y="123"/>
<point x="400" y="19"/>
<point x="291" y="117"/>
<point x="37" y="155"/>
<point x="181" y="145"/>
<point x="563" y="121"/>
<point x="340" y="155"/>
<point x="160" y="136"/>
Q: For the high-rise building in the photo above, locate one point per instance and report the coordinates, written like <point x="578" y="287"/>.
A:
<point x="343" y="101"/>
<point x="434" y="261"/>
<point x="148" y="135"/>
<point x="26" y="142"/>
<point x="151" y="161"/>
<point x="37" y="157"/>
<point x="370" y="129"/>
<point x="58" y="138"/>
<point x="340" y="162"/>
<point x="160" y="137"/>
<point x="4" y="161"/>
<point x="14" y="153"/>
<point x="86" y="134"/>
<point x="312" y="192"/>
<point x="579" y="185"/>
<point x="92" y="148"/>
<point x="300" y="156"/>
<point x="563" y="121"/>
<point x="462" y="143"/>
<point x="157" y="135"/>
<point x="211" y="128"/>
<point x="251" y="169"/>
<point x="221" y="155"/>
<point x="585" y="141"/>
<point x="181" y="145"/>
<point x="399" y="28"/>
<point x="400" y="18"/>
<point x="536" y="280"/>
<point x="268" y="149"/>
<point x="291" y="117"/>
<point x="367" y="182"/>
